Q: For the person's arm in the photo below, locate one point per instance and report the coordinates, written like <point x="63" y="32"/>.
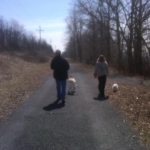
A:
<point x="52" y="64"/>
<point x="67" y="66"/>
<point x="95" y="71"/>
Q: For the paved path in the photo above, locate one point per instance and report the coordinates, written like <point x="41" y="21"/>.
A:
<point x="82" y="124"/>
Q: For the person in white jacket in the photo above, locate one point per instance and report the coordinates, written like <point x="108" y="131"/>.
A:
<point x="101" y="72"/>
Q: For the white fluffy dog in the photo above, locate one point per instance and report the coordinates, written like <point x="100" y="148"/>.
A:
<point x="115" y="87"/>
<point x="72" y="85"/>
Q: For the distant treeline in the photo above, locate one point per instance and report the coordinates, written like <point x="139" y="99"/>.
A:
<point x="14" y="38"/>
<point x="118" y="29"/>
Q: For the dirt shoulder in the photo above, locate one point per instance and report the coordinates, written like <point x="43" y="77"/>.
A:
<point x="132" y="100"/>
<point x="18" y="80"/>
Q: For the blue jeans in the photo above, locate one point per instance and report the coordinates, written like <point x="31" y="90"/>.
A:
<point x="61" y="89"/>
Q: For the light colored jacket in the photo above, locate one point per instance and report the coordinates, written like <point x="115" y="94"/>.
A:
<point x="101" y="68"/>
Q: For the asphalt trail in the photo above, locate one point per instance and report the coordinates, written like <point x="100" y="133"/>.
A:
<point x="82" y="124"/>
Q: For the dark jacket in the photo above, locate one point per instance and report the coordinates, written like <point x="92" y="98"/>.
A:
<point x="60" y="67"/>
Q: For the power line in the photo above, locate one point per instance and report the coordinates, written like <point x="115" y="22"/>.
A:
<point x="8" y="5"/>
<point x="16" y="3"/>
<point x="50" y="41"/>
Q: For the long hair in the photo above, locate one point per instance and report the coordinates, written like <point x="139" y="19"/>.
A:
<point x="101" y="58"/>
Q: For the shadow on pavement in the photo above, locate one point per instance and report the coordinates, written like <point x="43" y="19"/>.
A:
<point x="101" y="98"/>
<point x="54" y="105"/>
<point x="71" y="93"/>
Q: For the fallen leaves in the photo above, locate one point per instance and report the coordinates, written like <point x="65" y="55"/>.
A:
<point x="133" y="101"/>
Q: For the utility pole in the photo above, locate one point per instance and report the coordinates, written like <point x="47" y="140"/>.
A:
<point x="55" y="47"/>
<point x="50" y="42"/>
<point x="40" y="30"/>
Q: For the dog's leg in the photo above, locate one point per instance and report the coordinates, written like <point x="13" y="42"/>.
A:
<point x="69" y="89"/>
<point x="74" y="87"/>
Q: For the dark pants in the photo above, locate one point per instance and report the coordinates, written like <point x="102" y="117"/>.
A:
<point x="101" y="85"/>
<point x="61" y="89"/>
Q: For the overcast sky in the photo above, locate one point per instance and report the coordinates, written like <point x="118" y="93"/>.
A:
<point x="49" y="14"/>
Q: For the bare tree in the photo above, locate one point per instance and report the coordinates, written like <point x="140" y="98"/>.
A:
<point x="13" y="37"/>
<point x="75" y="28"/>
<point x="118" y="29"/>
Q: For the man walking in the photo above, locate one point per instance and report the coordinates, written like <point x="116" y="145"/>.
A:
<point x="60" y="67"/>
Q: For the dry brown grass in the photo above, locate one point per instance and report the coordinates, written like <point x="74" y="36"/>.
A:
<point x="18" y="79"/>
<point x="132" y="100"/>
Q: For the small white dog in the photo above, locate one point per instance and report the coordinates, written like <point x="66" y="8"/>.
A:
<point x="72" y="86"/>
<point x="115" y="87"/>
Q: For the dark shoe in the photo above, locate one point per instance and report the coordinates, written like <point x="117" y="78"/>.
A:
<point x="57" y="100"/>
<point x="63" y="102"/>
<point x="101" y="95"/>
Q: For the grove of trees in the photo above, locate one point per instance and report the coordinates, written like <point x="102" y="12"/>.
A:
<point x="14" y="38"/>
<point x="118" y="29"/>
